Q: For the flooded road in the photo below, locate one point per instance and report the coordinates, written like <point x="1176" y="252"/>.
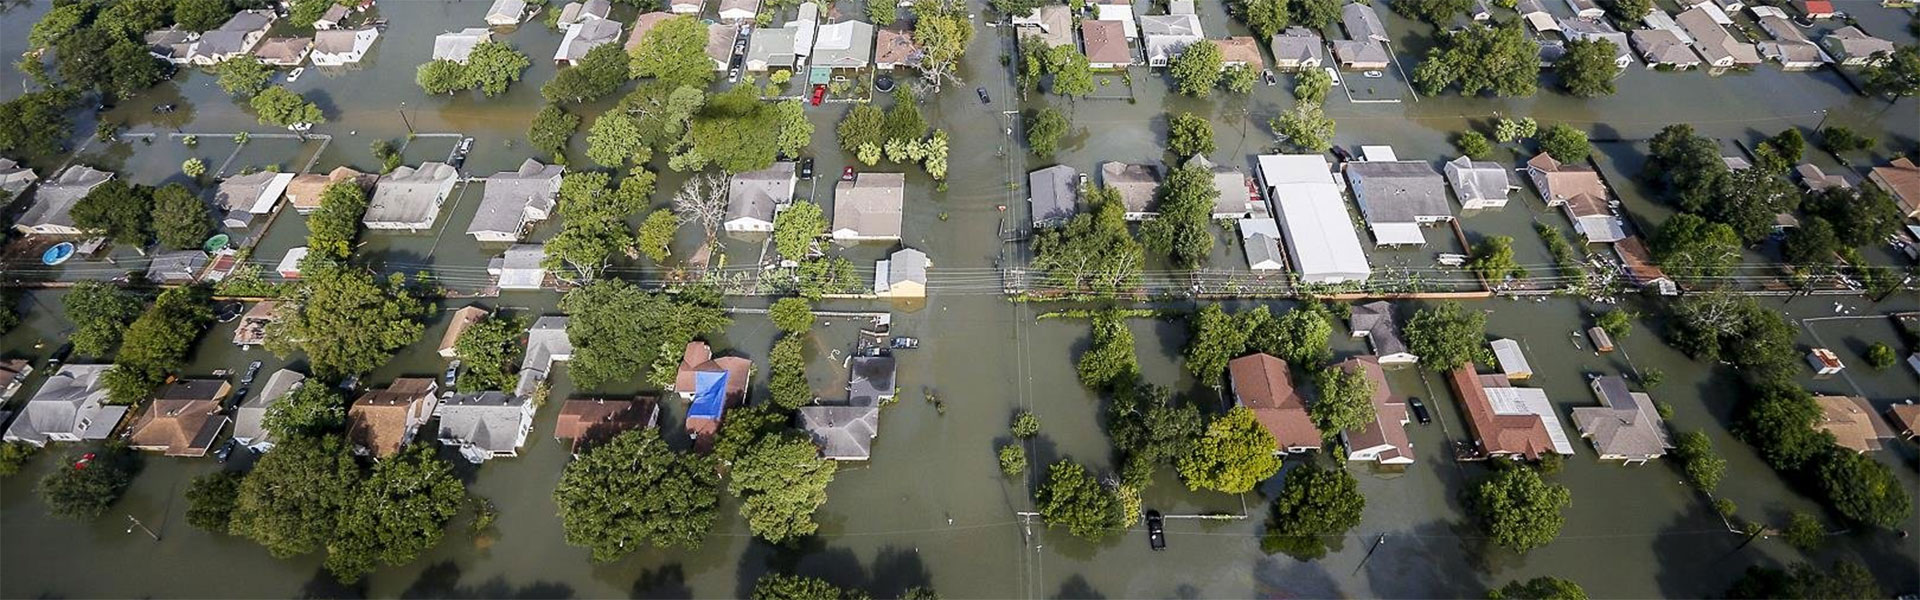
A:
<point x="931" y="508"/>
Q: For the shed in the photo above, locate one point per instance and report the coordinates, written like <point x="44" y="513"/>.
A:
<point x="1513" y="362"/>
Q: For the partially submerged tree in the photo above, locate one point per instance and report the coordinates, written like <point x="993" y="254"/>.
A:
<point x="1518" y="510"/>
<point x="781" y="481"/>
<point x="634" y="491"/>
<point x="1447" y="336"/>
<point x="1315" y="504"/>
<point x="1233" y="455"/>
<point x="1073" y="498"/>
<point x="346" y="322"/>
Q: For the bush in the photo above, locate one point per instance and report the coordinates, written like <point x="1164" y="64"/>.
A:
<point x="14" y="455"/>
<point x="1025" y="425"/>
<point x="1473" y="144"/>
<point x="1013" y="460"/>
<point x="1805" y="532"/>
<point x="210" y="500"/>
<point x="791" y="315"/>
<point x="1880" y="356"/>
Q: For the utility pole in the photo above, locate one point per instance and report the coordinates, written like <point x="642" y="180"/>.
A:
<point x="142" y="527"/>
<point x="1376" y="547"/>
<point x="403" y="118"/>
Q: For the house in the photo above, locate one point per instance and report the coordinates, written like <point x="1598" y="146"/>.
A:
<point x="1580" y="193"/>
<point x="1720" y="48"/>
<point x="697" y="359"/>
<point x="1051" y="24"/>
<point x="512" y="201"/>
<point x="52" y="210"/>
<point x="14" y="178"/>
<point x="252" y="329"/>
<point x="1714" y="9"/>
<point x="1319" y="232"/>
<point x="686" y="7"/>
<point x="305" y="190"/>
<point x="1119" y="12"/>
<point x="754" y="196"/>
<point x="842" y="432"/>
<point x="734" y="11"/>
<point x="1374" y="321"/>
<point x="182" y="420"/>
<point x="1360" y="55"/>
<point x="1105" y="44"/>
<point x="1593" y="220"/>
<point x="173" y="44"/>
<point x="250" y="196"/>
<point x="1296" y="48"/>
<point x="720" y="38"/>
<point x="1855" y="49"/>
<point x="1397" y="197"/>
<point x="895" y="48"/>
<point x="1513" y="362"/>
<point x="284" y="51"/>
<point x="70" y="406"/>
<point x="1362" y="23"/>
<point x="249" y="420"/>
<point x="902" y="275"/>
<point x="1659" y="19"/>
<point x="1626" y="427"/>
<point x="505" y="13"/>
<point x="381" y="422"/>
<point x="1587" y="9"/>
<point x="847" y="45"/>
<point x="456" y="46"/>
<point x="1900" y="179"/>
<point x="1053" y="195"/>
<point x="289" y="267"/>
<point x="1506" y="421"/>
<point x="1260" y="240"/>
<point x="1825" y="362"/>
<point x="1478" y="184"/>
<point x="1814" y="179"/>
<point x="233" y="39"/>
<point x="1586" y="29"/>
<point x="1602" y="341"/>
<point x="1262" y="384"/>
<point x="1384" y="441"/>
<point x="582" y="37"/>
<point x="1137" y="184"/>
<point x="869" y="207"/>
<point x="771" y="48"/>
<point x="1234" y="199"/>
<point x="340" y="47"/>
<point x="1166" y="36"/>
<point x="332" y="18"/>
<point x="1853" y="423"/>
<point x="485" y="425"/>
<point x="1815" y="9"/>
<point x="589" y="423"/>
<point x="176" y="268"/>
<point x="574" y="13"/>
<point x="1534" y="12"/>
<point x="519" y="268"/>
<point x="1789" y="47"/>
<point x="1906" y="419"/>
<point x="1761" y="11"/>
<point x="409" y="198"/>
<point x="464" y="318"/>
<point x="1663" y="48"/>
<point x="870" y="380"/>
<point x="547" y="343"/>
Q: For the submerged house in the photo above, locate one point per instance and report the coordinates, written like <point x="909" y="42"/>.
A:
<point x="184" y="419"/>
<point x="457" y="46"/>
<point x="52" y="210"/>
<point x="870" y="380"/>
<point x="869" y="208"/>
<point x="485" y="425"/>
<point x="1507" y="421"/>
<point x="248" y="197"/>
<point x="1374" y="321"/>
<point x="512" y="201"/>
<point x="1626" y="427"/>
<point x="1479" y="184"/>
<point x="381" y="422"/>
<point x="1138" y="185"/>
<point x="588" y="423"/>
<point x="1296" y="48"/>
<point x="1384" y="440"/>
<point x="1319" y="233"/>
<point x="1264" y="385"/>
<point x="547" y="343"/>
<point x="713" y="385"/>
<point x="1398" y="197"/>
<point x="842" y="432"/>
<point x="340" y="47"/>
<point x="1580" y="193"/>
<point x="754" y="197"/>
<point x="69" y="407"/>
<point x="249" y="420"/>
<point x="1853" y="423"/>
<point x="520" y="268"/>
<point x="409" y="198"/>
<point x="1053" y="195"/>
<point x="902" y="275"/>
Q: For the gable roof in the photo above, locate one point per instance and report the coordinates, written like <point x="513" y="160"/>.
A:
<point x="249" y="419"/>
<point x="645" y="23"/>
<point x="1053" y="193"/>
<point x="871" y="205"/>
<point x="1362" y="23"/>
<point x="843" y="45"/>
<point x="1296" y="45"/>
<point x="907" y="265"/>
<point x="183" y="419"/>
<point x="755" y="194"/>
<point x="70" y="403"/>
<point x="1853" y="422"/>
<point x="1560" y="182"/>
<point x="458" y="45"/>
<point x="488" y="420"/>
<point x="1376" y="319"/>
<point x="1661" y="46"/>
<point x="1474" y="180"/>
<point x="411" y="195"/>
<point x="1241" y="50"/>
<point x="1398" y="191"/>
<point x="1508" y="420"/>
<point x="53" y="201"/>
<point x="591" y="422"/>
<point x="1106" y="42"/>
<point x="842" y="432"/>
<point x="1854" y="42"/>
<point x="1136" y="183"/>
<point x="382" y="420"/>
<point x="1388" y="427"/>
<point x="1263" y="384"/>
<point x="509" y="195"/>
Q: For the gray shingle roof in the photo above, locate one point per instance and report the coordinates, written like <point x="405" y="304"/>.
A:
<point x="410" y="196"/>
<point x="1137" y="184"/>
<point x="71" y="402"/>
<point x="176" y="267"/>
<point x="1398" y="191"/>
<point x="512" y="198"/>
<point x="249" y="419"/>
<point x="458" y="45"/>
<point x="843" y="45"/>
<point x="1376" y="319"/>
<point x="1362" y="23"/>
<point x="1627" y="426"/>
<point x="489" y="421"/>
<point x="870" y="379"/>
<point x="870" y="206"/>
<point x="1478" y="180"/>
<point x="842" y="432"/>
<point x="755" y="194"/>
<point x="53" y="202"/>
<point x="1296" y="45"/>
<point x="547" y="342"/>
<point x="1052" y="194"/>
<point x="907" y="265"/>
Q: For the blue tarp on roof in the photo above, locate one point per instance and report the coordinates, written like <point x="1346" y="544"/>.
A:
<point x="709" y="395"/>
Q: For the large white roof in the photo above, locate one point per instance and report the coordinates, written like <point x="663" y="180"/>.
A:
<point x="1319" y="231"/>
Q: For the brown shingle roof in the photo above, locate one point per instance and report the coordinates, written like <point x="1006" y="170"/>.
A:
<point x="1262" y="384"/>
<point x="1563" y="182"/>
<point x="1852" y="422"/>
<point x="379" y="419"/>
<point x="305" y="189"/>
<point x="1390" y="413"/>
<point x="1902" y="178"/>
<point x="699" y="357"/>
<point x="589" y="422"/>
<point x="1241" y="49"/>
<point x="1906" y="417"/>
<point x="183" y="419"/>
<point x="462" y="319"/>
<point x="1524" y="435"/>
<point x="1106" y="42"/>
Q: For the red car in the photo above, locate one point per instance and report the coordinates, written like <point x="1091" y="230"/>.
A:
<point x="819" y="93"/>
<point x="847" y="175"/>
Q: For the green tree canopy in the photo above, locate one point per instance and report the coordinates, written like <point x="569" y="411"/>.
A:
<point x="120" y="210"/>
<point x="1110" y="359"/>
<point x="83" y="494"/>
<point x="1438" y="12"/>
<point x="1493" y="260"/>
<point x="332" y="228"/>
<point x="1196" y="70"/>
<point x="1861" y="216"/>
<point x="1898" y="76"/>
<point x="1345" y="401"/>
<point x="777" y="586"/>
<point x="1306" y="127"/>
<point x="281" y="108"/>
<point x="1073" y="498"/>
<point x="788" y="383"/>
<point x="180" y="218"/>
<point x="1233" y="455"/>
<point x="490" y="350"/>
<point x="1095" y="253"/>
<point x="1189" y="134"/>
<point x="1447" y="336"/>
<point x="1072" y="72"/>
<point x="211" y="499"/>
<point x="618" y="329"/>
<point x="791" y="315"/>
<point x="243" y="76"/>
<point x="345" y="322"/>
<point x="1216" y="338"/>
<point x="157" y="343"/>
<point x="1182" y="231"/>
<point x="100" y="312"/>
<point x="655" y="237"/>
<point x="1264" y="17"/>
<point x="1519" y="510"/>
<point x="400" y="511"/>
<point x="631" y="491"/>
<point x="1685" y="167"/>
<point x="602" y="71"/>
<point x="1045" y="129"/>
<point x="781" y="481"/>
<point x="942" y="29"/>
<point x="1480" y="59"/>
<point x="1565" y="144"/>
<point x="796" y="228"/>
<point x="311" y="410"/>
<point x="36" y="122"/>
<point x="1588" y="69"/>
<point x="551" y="129"/>
<point x="1844" y="580"/>
<point x="1300" y="336"/>
<point x="1694" y="250"/>
<point x="291" y="501"/>
<point x="1862" y="489"/>
<point x="1539" y="588"/>
<point x="1315" y="503"/>
<point x="674" y="51"/>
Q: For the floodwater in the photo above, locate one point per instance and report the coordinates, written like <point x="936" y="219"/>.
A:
<point x="931" y="507"/>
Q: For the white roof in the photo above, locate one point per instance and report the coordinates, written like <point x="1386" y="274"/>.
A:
<point x="1531" y="401"/>
<point x="291" y="262"/>
<point x="1122" y="13"/>
<point x="1319" y="231"/>
<point x="1512" y="360"/>
<point x="1380" y="153"/>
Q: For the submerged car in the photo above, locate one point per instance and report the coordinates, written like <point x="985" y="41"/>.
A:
<point x="984" y="98"/>
<point x="1419" y="410"/>
<point x="1156" y="530"/>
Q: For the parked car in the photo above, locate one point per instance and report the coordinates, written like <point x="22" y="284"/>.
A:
<point x="984" y="98"/>
<point x="1419" y="410"/>
<point x="1156" y="530"/>
<point x="733" y="75"/>
<point x="847" y="174"/>
<point x="806" y="168"/>
<point x="225" y="451"/>
<point x="253" y="369"/>
<point x="1333" y="75"/>
<point x="1268" y="76"/>
<point x="453" y="371"/>
<point x="819" y="94"/>
<point x="1373" y="74"/>
<point x="241" y="396"/>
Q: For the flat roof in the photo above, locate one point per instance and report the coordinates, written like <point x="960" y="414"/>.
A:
<point x="1319" y="231"/>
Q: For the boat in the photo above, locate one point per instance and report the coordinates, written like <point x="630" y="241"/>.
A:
<point x="294" y="75"/>
<point x="57" y="254"/>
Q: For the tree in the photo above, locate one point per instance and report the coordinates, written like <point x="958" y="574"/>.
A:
<point x="1189" y="134"/>
<point x="1508" y="130"/>
<point x="1044" y="131"/>
<point x="332" y="227"/>
<point x="1861" y="216"/>
<point x="1539" y="588"/>
<point x="1749" y="200"/>
<point x="656" y="234"/>
<point x="291" y="500"/>
<point x="490" y="350"/>
<point x="1264" y="17"/>
<point x="1447" y="336"/>
<point x="861" y="127"/>
<point x="1480" y="59"/>
<point x="120" y="210"/>
<point x="1804" y="531"/>
<point x="1317" y="14"/>
<point x="1843" y="580"/>
<point x="281" y="108"/>
<point x="1518" y="510"/>
<point x="1298" y="337"/>
<point x="776" y="586"/>
<point x="883" y="14"/>
<point x="1565" y="144"/>
<point x="200" y="15"/>
<point x="1072" y="73"/>
<point x="1812" y="245"/>
<point x="1095" y="252"/>
<point x="1073" y="498"/>
<point x="1789" y="145"/>
<point x="1862" y="489"/>
<point x="781" y="481"/>
<point x="83" y="492"/>
<point x="1695" y="251"/>
<point x="1686" y="167"/>
<point x="1314" y="504"/>
<point x="942" y="29"/>
<point x="1311" y="86"/>
<point x="491" y="67"/>
<point x="1216" y="338"/>
<point x="1839" y="139"/>
<point x="796" y="228"/>
<point x="1473" y="144"/>
<point x="210" y="500"/>
<point x="1149" y="429"/>
<point x="1025" y="425"/>
<point x="180" y="219"/>
<point x="791" y="315"/>
<point x="1013" y="460"/>
<point x="36" y="122"/>
<point x="400" y="511"/>
<point x="631" y="491"/>
<point x="1186" y="209"/>
<point x="795" y="129"/>
<point x="345" y="322"/>
<point x="1880" y="356"/>
<point x="1306" y="127"/>
<point x="156" y="344"/>
<point x="614" y="140"/>
<point x="304" y="12"/>
<point x="243" y="76"/>
<point x="618" y="330"/>
<point x="788" y="384"/>
<point x="602" y="71"/>
<point x="309" y="411"/>
<point x="1345" y="401"/>
<point x="1897" y="76"/>
<point x="193" y="167"/>
<point x="99" y="312"/>
<point x="1238" y="79"/>
<point x="1110" y="359"/>
<point x="1493" y="260"/>
<point x="1438" y="12"/>
<point x="1698" y="461"/>
<point x="1588" y="69"/>
<point x="1629" y="10"/>
<point x="735" y="132"/>
<point x="674" y="51"/>
<point x="551" y="129"/>
<point x="1196" y="70"/>
<point x="1233" y="455"/>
